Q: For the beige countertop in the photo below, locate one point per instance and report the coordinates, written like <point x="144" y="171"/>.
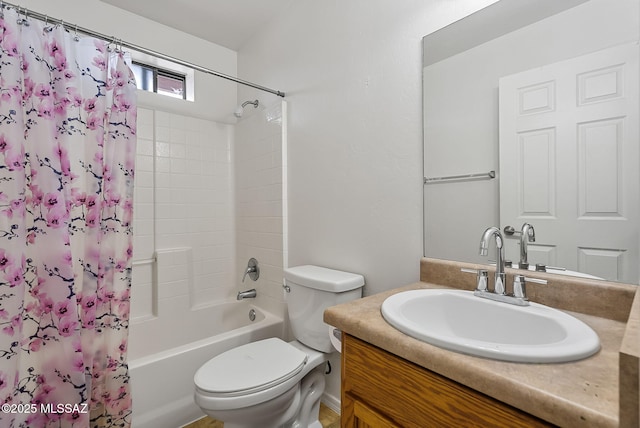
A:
<point x="582" y="393"/>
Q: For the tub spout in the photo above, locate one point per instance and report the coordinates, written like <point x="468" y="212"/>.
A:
<point x="248" y="294"/>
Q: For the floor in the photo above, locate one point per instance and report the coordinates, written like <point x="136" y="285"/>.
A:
<point x="328" y="419"/>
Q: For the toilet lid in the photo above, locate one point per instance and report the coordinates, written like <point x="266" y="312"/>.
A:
<point x="250" y="368"/>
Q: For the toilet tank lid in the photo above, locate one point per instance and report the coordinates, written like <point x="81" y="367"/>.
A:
<point x="324" y="279"/>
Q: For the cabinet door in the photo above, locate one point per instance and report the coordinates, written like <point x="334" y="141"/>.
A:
<point x="381" y="390"/>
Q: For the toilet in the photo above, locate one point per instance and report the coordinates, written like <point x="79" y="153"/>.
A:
<point x="272" y="383"/>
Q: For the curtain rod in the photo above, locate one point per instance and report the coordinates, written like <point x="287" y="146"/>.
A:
<point x="73" y="27"/>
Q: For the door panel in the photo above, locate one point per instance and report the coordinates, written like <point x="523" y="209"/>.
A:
<point x="570" y="161"/>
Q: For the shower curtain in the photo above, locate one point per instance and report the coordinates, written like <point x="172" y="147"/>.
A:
<point x="67" y="150"/>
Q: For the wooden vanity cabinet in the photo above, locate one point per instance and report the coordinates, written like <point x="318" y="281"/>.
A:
<point x="382" y="390"/>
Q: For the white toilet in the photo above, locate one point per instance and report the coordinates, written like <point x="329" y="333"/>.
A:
<point x="272" y="383"/>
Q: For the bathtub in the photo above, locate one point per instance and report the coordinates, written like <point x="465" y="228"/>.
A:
<point x="162" y="379"/>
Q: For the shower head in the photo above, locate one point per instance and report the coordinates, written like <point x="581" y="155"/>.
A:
<point x="240" y="108"/>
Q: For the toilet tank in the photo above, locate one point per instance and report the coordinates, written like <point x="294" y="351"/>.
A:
<point x="312" y="289"/>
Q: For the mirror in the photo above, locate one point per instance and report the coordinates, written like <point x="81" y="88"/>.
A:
<point x="543" y="95"/>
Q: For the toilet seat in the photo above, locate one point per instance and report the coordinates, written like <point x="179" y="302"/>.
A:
<point x="250" y="368"/>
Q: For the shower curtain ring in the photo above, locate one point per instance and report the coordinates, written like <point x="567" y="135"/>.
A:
<point x="76" y="37"/>
<point x="26" y="17"/>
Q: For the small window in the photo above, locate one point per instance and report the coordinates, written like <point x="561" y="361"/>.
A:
<point x="160" y="81"/>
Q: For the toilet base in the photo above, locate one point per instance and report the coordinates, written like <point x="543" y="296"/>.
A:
<point x="267" y="414"/>
<point x="312" y="388"/>
<point x="301" y="404"/>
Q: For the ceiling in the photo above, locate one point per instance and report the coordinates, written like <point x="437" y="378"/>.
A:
<point x="229" y="23"/>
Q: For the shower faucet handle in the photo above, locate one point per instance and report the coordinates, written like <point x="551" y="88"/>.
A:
<point x="252" y="270"/>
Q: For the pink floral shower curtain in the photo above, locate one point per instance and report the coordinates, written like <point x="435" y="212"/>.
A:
<point x="67" y="150"/>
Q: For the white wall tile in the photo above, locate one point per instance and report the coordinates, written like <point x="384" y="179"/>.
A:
<point x="142" y="291"/>
<point x="183" y="200"/>
<point x="259" y="233"/>
<point x="144" y="146"/>
<point x="203" y="216"/>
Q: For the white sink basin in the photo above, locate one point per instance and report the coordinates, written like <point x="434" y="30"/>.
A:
<point x="459" y="321"/>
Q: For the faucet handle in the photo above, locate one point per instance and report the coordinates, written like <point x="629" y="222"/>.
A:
<point x="482" y="278"/>
<point x="252" y="270"/>
<point x="519" y="287"/>
<point x="510" y="231"/>
<point x="556" y="268"/>
<point x="536" y="280"/>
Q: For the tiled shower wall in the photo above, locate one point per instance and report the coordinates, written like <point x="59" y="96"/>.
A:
<point x="183" y="215"/>
<point x="260" y="170"/>
<point x="208" y="196"/>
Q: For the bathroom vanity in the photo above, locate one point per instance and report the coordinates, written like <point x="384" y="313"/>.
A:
<point x="392" y="380"/>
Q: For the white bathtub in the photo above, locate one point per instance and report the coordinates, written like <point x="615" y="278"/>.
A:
<point x="162" y="380"/>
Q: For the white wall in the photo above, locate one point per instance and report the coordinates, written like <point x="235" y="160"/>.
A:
<point x="352" y="76"/>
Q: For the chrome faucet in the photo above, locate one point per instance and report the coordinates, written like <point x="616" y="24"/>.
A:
<point x="499" y="294"/>
<point x="494" y="232"/>
<point x="248" y="294"/>
<point x="527" y="234"/>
